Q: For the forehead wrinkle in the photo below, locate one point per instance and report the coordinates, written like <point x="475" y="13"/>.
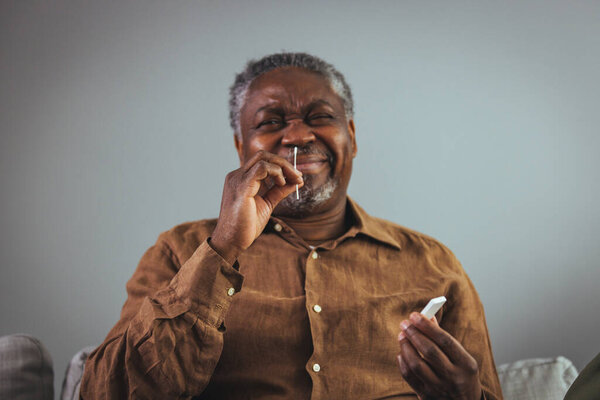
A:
<point x="289" y="102"/>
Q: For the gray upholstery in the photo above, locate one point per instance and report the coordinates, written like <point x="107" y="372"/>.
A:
<point x="25" y="369"/>
<point x="537" y="378"/>
<point x="73" y="374"/>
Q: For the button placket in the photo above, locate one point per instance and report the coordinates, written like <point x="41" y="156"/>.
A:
<point x="317" y="322"/>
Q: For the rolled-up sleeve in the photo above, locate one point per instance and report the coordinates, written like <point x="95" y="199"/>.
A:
<point x="170" y="334"/>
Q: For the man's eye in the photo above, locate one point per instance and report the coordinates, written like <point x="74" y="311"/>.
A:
<point x="320" y="116"/>
<point x="269" y="122"/>
<point x="318" y="119"/>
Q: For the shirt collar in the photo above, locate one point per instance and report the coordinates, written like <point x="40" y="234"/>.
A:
<point x="375" y="228"/>
<point x="362" y="224"/>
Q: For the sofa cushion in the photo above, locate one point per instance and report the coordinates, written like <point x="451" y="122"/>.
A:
<point x="537" y="378"/>
<point x="25" y="369"/>
<point x="72" y="381"/>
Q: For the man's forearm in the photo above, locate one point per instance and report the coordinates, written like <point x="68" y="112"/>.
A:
<point x="170" y="347"/>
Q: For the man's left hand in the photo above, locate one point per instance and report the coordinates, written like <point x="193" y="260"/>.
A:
<point x="434" y="363"/>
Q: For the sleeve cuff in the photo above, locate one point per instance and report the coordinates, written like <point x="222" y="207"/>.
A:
<point x="207" y="283"/>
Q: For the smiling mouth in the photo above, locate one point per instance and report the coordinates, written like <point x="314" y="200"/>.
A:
<point x="311" y="165"/>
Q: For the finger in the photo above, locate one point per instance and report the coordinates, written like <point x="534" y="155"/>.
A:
<point x="256" y="157"/>
<point x="288" y="169"/>
<point x="263" y="170"/>
<point x="418" y="369"/>
<point x="455" y="352"/>
<point x="278" y="193"/>
<point x="410" y="377"/>
<point x="430" y="352"/>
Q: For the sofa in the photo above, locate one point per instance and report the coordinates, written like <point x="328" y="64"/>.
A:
<point x="26" y="373"/>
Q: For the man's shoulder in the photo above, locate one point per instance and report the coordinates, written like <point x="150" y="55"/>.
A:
<point x="419" y="246"/>
<point x="187" y="235"/>
<point x="408" y="239"/>
<point x="395" y="234"/>
<point x="201" y="226"/>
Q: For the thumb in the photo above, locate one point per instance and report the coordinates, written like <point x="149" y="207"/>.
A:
<point x="278" y="193"/>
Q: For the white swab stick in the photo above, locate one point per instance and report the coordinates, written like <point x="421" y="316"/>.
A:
<point x="433" y="307"/>
<point x="295" y="154"/>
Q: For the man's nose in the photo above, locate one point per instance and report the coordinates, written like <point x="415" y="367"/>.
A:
<point x="297" y="133"/>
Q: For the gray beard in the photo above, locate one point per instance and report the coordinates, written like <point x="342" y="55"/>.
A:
<point x="310" y="197"/>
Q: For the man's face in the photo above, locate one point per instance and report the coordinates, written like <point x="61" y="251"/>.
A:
<point x="290" y="107"/>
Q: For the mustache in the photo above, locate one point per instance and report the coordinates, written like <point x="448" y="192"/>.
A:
<point x="310" y="150"/>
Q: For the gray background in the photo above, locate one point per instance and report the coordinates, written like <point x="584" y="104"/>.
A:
<point x="476" y="124"/>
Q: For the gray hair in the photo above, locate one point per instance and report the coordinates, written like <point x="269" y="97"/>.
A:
<point x="255" y="68"/>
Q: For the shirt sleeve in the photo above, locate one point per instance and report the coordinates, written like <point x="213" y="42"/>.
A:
<point x="464" y="319"/>
<point x="170" y="334"/>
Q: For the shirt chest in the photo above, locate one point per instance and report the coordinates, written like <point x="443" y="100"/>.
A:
<point x="324" y="317"/>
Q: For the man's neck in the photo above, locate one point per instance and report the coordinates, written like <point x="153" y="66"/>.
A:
<point x="320" y="227"/>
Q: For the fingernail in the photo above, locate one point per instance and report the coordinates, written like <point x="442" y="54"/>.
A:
<point x="401" y="336"/>
<point x="416" y="317"/>
<point x="404" y="325"/>
<point x="399" y="358"/>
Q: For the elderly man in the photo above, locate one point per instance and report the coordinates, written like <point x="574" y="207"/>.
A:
<point x="294" y="297"/>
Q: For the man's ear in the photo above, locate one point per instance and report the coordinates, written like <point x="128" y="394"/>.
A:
<point x="352" y="130"/>
<point x="239" y="147"/>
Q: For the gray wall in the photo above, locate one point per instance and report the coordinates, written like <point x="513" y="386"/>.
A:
<point x="476" y="121"/>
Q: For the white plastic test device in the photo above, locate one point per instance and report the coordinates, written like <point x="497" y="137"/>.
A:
<point x="433" y="307"/>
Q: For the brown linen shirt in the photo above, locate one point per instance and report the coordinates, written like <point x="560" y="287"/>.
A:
<point x="292" y="323"/>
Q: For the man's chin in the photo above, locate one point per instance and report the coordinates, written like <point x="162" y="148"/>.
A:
<point x="311" y="200"/>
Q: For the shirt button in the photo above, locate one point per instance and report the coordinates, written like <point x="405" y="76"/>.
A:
<point x="230" y="291"/>
<point x="317" y="308"/>
<point x="316" y="367"/>
<point x="315" y="255"/>
<point x="277" y="227"/>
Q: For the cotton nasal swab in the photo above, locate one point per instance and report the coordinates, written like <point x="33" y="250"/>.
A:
<point x="295" y="154"/>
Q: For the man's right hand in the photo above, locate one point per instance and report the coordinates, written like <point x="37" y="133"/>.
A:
<point x="250" y="195"/>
